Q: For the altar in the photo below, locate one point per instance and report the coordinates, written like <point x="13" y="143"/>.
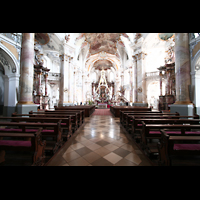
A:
<point x="102" y="105"/>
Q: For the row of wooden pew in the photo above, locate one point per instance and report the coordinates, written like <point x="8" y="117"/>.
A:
<point x="87" y="108"/>
<point x="115" y="110"/>
<point x="168" y="137"/>
<point x="39" y="135"/>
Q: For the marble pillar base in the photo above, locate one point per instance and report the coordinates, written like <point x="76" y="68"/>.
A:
<point x="26" y="108"/>
<point x="182" y="109"/>
<point x="140" y="104"/>
<point x="197" y="110"/>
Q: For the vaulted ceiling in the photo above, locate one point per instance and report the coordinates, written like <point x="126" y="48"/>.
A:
<point x="103" y="64"/>
<point x="99" y="42"/>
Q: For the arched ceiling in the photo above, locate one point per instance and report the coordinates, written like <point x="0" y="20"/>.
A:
<point x="98" y="42"/>
<point x="102" y="59"/>
<point x="102" y="64"/>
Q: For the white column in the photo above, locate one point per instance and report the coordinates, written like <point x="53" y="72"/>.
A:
<point x="131" y="84"/>
<point x="83" y="88"/>
<point x="70" y="81"/>
<point x="26" y="65"/>
<point x="63" y="80"/>
<point x="74" y="94"/>
<point x="11" y="89"/>
<point x="135" y="79"/>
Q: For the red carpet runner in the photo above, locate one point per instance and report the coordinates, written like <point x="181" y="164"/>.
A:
<point x="102" y="112"/>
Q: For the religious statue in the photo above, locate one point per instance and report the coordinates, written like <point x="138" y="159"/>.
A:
<point x="170" y="57"/>
<point x="67" y="38"/>
<point x="122" y="90"/>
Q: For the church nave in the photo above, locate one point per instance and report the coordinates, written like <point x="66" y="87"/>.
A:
<point x="100" y="142"/>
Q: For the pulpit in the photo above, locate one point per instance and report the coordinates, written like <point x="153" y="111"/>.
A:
<point x="169" y="75"/>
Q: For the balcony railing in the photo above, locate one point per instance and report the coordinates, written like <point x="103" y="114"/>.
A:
<point x="151" y="74"/>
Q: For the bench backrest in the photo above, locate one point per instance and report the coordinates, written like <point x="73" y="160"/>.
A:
<point x="27" y="125"/>
<point x="35" y="145"/>
<point x="177" y="145"/>
<point x="123" y="113"/>
<point x="81" y="112"/>
<point x="181" y="127"/>
<point x="116" y="109"/>
<point x="153" y="130"/>
<point x="31" y="145"/>
<point x="64" y="121"/>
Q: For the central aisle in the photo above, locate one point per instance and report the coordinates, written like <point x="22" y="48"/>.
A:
<point x="100" y="142"/>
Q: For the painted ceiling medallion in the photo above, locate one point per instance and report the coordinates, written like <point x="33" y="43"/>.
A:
<point x="42" y="38"/>
<point x="165" y="36"/>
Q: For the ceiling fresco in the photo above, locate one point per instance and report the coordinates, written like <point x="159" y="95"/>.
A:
<point x="102" y="42"/>
<point x="102" y="64"/>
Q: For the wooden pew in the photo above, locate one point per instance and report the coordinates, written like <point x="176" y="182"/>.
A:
<point x="135" y="122"/>
<point x="115" y="110"/>
<point x="50" y="130"/>
<point x="171" y="146"/>
<point x="74" y="120"/>
<point x="66" y="125"/>
<point x="74" y="117"/>
<point x="127" y="117"/>
<point x="82" y="113"/>
<point x="26" y="142"/>
<point x="88" y="109"/>
<point x="79" y="114"/>
<point x="152" y="131"/>
<point x="124" y="113"/>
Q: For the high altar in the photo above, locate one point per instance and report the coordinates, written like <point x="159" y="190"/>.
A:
<point x="101" y="91"/>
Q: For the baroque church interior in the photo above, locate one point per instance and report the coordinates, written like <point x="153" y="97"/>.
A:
<point x="41" y="71"/>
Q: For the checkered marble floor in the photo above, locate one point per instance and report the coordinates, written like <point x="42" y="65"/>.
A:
<point x="101" y="142"/>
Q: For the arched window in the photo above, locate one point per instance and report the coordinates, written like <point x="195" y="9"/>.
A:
<point x="126" y="77"/>
<point x="196" y="35"/>
<point x="93" y="77"/>
<point x="111" y="76"/>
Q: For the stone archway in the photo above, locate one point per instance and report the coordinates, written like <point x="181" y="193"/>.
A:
<point x="195" y="79"/>
<point x="2" y="88"/>
<point x="11" y="75"/>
